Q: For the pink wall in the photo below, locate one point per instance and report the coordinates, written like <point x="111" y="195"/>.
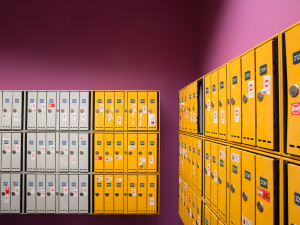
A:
<point x="229" y="28"/>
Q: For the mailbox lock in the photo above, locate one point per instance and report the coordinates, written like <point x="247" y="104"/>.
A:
<point x="228" y="101"/>
<point x="150" y="152"/>
<point x="38" y="193"/>
<point x="245" y="197"/>
<point x="212" y="104"/>
<point x="97" y="152"/>
<point x="140" y="110"/>
<point x="117" y="110"/>
<point x="29" y="110"/>
<point x="28" y="152"/>
<point x="220" y="103"/>
<point x="62" y="152"/>
<point x="106" y="153"/>
<point x="62" y="110"/>
<point x="39" y="110"/>
<point x="28" y="193"/>
<point x="150" y="194"/>
<point x="81" y="152"/>
<point x="130" y="110"/>
<point x="61" y="194"/>
<point x="107" y="110"/>
<point x="245" y="98"/>
<point x="140" y="194"/>
<point x="4" y="152"/>
<point x="97" y="194"/>
<point x="117" y="194"/>
<point x="82" y="110"/>
<point x="71" y="152"/>
<point x="125" y="194"/>
<point x="227" y="184"/>
<point x="81" y="194"/>
<point x="72" y="110"/>
<point x="294" y="90"/>
<point x="150" y="110"/>
<point x="232" y="188"/>
<point x="14" y="110"/>
<point x="14" y="152"/>
<point x="48" y="152"/>
<point x="49" y="110"/>
<point x="4" y="110"/>
<point x="140" y="152"/>
<point x="260" y="95"/>
<point x="117" y="152"/>
<point x="125" y="110"/>
<point x="130" y="152"/>
<point x="57" y="110"/>
<point x="125" y="152"/>
<point x="48" y="193"/>
<point x="220" y="180"/>
<point x="39" y="152"/>
<point x="13" y="193"/>
<point x="212" y="175"/>
<point x="260" y="206"/>
<point x="97" y="110"/>
<point x="232" y="100"/>
<point x="130" y="194"/>
<point x="106" y="194"/>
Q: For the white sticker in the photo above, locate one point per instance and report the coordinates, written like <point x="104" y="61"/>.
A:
<point x="64" y="116"/>
<point x="236" y="114"/>
<point x="267" y="84"/>
<point x="6" y="198"/>
<point x="194" y="117"/>
<point x="143" y="161"/>
<point x="151" y="119"/>
<point x="186" y="115"/>
<point x="118" y="157"/>
<point x="109" y="117"/>
<point x="119" y="179"/>
<point x="99" y="178"/>
<point x="208" y="169"/>
<point x="17" y="191"/>
<point x="33" y="156"/>
<point x="73" y="160"/>
<point x="16" y="117"/>
<point x="215" y="116"/>
<point x="151" y="160"/>
<point x="108" y="178"/>
<point x="17" y="148"/>
<point x="119" y="121"/>
<point x="235" y="158"/>
<point x="73" y="116"/>
<point x="75" y="192"/>
<point x="66" y="150"/>
<point x="251" y="89"/>
<point x="222" y="154"/>
<point x="134" y="107"/>
<point x="208" y="104"/>
<point x="33" y="106"/>
<point x="216" y="176"/>
<point x="42" y="193"/>
<point x="66" y="190"/>
<point x="83" y="116"/>
<point x="151" y="201"/>
<point x="133" y="192"/>
<point x="8" y="148"/>
<point x="131" y="147"/>
<point x="245" y="221"/>
<point x="108" y="158"/>
<point x="222" y="116"/>
<point x="191" y="117"/>
<point x="144" y="109"/>
<point x="193" y="170"/>
<point x="198" y="144"/>
<point x="52" y="190"/>
<point x="101" y="108"/>
<point x="52" y="148"/>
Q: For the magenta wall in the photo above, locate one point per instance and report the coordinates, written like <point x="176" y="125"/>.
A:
<point x="229" y="28"/>
<point x="113" y="44"/>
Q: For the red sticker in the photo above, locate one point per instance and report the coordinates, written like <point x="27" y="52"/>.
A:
<point x="7" y="190"/>
<point x="296" y="108"/>
<point x="51" y="105"/>
<point x="98" y="158"/>
<point x="263" y="194"/>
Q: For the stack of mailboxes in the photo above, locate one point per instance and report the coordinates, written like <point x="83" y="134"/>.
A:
<point x="125" y="156"/>
<point x="239" y="144"/>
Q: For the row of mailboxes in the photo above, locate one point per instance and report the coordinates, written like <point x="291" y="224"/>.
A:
<point x="57" y="193"/>
<point x="58" y="110"/>
<point x="126" y="110"/>
<point x="188" y="108"/>
<point x="190" y="204"/>
<point x="125" y="152"/>
<point x="190" y="159"/>
<point x="252" y="181"/>
<point x="241" y="99"/>
<point x="11" y="193"/>
<point x="210" y="217"/>
<point x="11" y="152"/>
<point x="11" y="110"/>
<point x="60" y="152"/>
<point x="125" y="194"/>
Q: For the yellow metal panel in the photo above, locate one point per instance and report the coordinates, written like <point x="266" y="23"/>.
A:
<point x="194" y="207"/>
<point x="98" y="194"/>
<point x="293" y="82"/>
<point x="194" y="163"/>
<point x="109" y="110"/>
<point x="222" y="103"/>
<point x="265" y="180"/>
<point x="132" y="194"/>
<point x="207" y="148"/>
<point x="142" y="152"/>
<point x="248" y="98"/>
<point x="125" y="184"/>
<point x="207" y="215"/>
<point x="190" y="155"/>
<point x="199" y="210"/>
<point x="190" y="112"/>
<point x="132" y="153"/>
<point x="190" y="202"/>
<point x="228" y="117"/>
<point x="185" y="150"/>
<point x="293" y="189"/>
<point x="132" y="110"/>
<point x="214" y="83"/>
<point x="118" y="194"/>
<point x="142" y="110"/>
<point x="235" y="187"/>
<point x="180" y="110"/>
<point x="222" y="178"/>
<point x="185" y="98"/>
<point x="153" y="104"/>
<point x="235" y="101"/>
<point x="119" y="110"/>
<point x="265" y="87"/>
<point x="99" y="110"/>
<point x="152" y="196"/>
<point x="199" y="164"/>
<point x="109" y="194"/>
<point x="248" y="188"/>
<point x="214" y="151"/>
<point x="119" y="150"/>
<point x="180" y="154"/>
<point x="142" y="194"/>
<point x="220" y="222"/>
<point x="98" y="152"/>
<point x="213" y="219"/>
<point x="125" y="110"/>
<point x="125" y="161"/>
<point x="208" y="110"/>
<point x="195" y="106"/>
<point x="108" y="153"/>
<point x="152" y="152"/>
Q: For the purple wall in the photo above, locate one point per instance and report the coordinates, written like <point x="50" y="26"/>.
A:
<point x="109" y="44"/>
